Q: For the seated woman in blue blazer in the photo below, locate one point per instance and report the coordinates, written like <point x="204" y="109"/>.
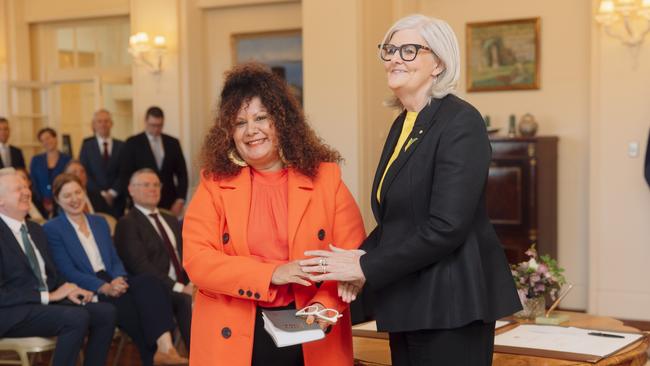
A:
<point x="83" y="250"/>
<point x="46" y="166"/>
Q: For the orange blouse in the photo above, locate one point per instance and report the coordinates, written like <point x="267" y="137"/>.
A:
<point x="268" y="225"/>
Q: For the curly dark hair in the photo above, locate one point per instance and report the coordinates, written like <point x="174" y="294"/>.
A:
<point x="303" y="150"/>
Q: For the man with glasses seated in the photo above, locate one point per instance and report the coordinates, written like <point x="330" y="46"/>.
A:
<point x="149" y="241"/>
<point x="35" y="301"/>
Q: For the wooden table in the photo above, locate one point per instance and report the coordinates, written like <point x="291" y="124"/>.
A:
<point x="372" y="349"/>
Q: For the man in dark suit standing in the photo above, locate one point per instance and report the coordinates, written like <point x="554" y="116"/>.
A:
<point x="162" y="153"/>
<point x="100" y="155"/>
<point x="149" y="241"/>
<point x="34" y="300"/>
<point x="10" y="156"/>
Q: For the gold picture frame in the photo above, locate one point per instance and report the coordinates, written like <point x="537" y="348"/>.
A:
<point x="280" y="50"/>
<point x="503" y="55"/>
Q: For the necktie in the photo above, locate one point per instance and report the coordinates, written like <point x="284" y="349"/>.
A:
<point x="31" y="256"/>
<point x="170" y="248"/>
<point x="105" y="155"/>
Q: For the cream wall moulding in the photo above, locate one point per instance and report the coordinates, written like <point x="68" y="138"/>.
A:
<point x="625" y="20"/>
<point x="148" y="52"/>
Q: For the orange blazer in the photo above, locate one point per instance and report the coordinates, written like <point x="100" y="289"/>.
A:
<point x="230" y="282"/>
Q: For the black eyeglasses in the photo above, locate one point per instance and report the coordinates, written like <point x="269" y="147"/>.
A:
<point x="407" y="52"/>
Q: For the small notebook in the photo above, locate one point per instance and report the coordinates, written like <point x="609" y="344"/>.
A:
<point x="287" y="329"/>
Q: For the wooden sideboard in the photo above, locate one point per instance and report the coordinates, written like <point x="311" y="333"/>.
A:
<point x="521" y="194"/>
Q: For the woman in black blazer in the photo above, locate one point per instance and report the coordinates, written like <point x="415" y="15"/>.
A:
<point x="434" y="263"/>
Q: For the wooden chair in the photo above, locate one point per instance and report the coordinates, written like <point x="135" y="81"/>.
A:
<point x="25" y="346"/>
<point x="110" y="220"/>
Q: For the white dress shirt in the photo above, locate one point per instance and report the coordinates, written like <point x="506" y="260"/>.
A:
<point x="5" y="154"/>
<point x="155" y="142"/>
<point x="89" y="245"/>
<point x="178" y="287"/>
<point x="14" y="226"/>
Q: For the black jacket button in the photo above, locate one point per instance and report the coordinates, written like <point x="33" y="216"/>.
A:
<point x="241" y="292"/>
<point x="257" y="296"/>
<point x="321" y="234"/>
<point x="226" y="332"/>
<point x="225" y="238"/>
<point x="249" y="293"/>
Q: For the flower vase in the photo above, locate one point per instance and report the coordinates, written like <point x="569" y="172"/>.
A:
<point x="533" y="307"/>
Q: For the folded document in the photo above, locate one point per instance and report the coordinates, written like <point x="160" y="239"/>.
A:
<point x="287" y="329"/>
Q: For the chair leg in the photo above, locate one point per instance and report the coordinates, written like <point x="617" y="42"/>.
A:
<point x="24" y="358"/>
<point x="120" y="348"/>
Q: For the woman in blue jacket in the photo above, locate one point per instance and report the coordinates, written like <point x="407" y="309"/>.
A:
<point x="46" y="166"/>
<point x="83" y="250"/>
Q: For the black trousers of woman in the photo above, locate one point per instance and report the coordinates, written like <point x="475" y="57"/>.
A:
<point x="266" y="353"/>
<point x="144" y="312"/>
<point x="471" y="345"/>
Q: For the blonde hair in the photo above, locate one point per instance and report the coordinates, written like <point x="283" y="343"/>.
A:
<point x="442" y="40"/>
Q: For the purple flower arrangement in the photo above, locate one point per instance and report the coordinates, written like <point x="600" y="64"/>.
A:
<point x="539" y="276"/>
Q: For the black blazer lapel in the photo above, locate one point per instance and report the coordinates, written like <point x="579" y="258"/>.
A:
<point x="389" y="146"/>
<point x="422" y="125"/>
<point x="96" y="153"/>
<point x="173" y="224"/>
<point x="143" y="146"/>
<point x="114" y="160"/>
<point x="10" y="240"/>
<point x="149" y="230"/>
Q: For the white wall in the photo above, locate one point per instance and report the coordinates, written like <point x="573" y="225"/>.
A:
<point x="48" y="10"/>
<point x="332" y="78"/>
<point x="619" y="221"/>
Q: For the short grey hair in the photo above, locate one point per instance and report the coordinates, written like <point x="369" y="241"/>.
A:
<point x="5" y="172"/>
<point x="442" y="40"/>
<point x="140" y="172"/>
<point x="102" y="110"/>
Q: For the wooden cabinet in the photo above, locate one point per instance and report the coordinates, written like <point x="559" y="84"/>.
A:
<point x="522" y="194"/>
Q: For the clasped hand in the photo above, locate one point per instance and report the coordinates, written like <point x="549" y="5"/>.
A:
<point x="116" y="288"/>
<point x="336" y="265"/>
<point x="72" y="292"/>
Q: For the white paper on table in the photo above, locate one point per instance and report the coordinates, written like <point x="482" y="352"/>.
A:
<point x="564" y="339"/>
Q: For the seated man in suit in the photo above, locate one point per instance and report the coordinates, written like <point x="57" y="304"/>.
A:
<point x="34" y="300"/>
<point x="149" y="241"/>
<point x="163" y="154"/>
<point x="10" y="156"/>
<point x="95" y="202"/>
<point x="100" y="156"/>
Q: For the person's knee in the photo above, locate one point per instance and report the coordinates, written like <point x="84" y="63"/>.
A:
<point x="73" y="317"/>
<point x="103" y="314"/>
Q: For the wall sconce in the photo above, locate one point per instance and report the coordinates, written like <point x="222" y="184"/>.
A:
<point x="625" y="20"/>
<point x="146" y="53"/>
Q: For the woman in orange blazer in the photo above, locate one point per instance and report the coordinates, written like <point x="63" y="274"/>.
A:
<point x="269" y="191"/>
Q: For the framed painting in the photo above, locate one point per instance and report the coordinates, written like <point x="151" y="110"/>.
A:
<point x="503" y="55"/>
<point x="281" y="51"/>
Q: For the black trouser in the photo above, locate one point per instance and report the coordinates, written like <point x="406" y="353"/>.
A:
<point x="471" y="345"/>
<point x="144" y="312"/>
<point x="266" y="353"/>
<point x="70" y="323"/>
<point x="182" y="305"/>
